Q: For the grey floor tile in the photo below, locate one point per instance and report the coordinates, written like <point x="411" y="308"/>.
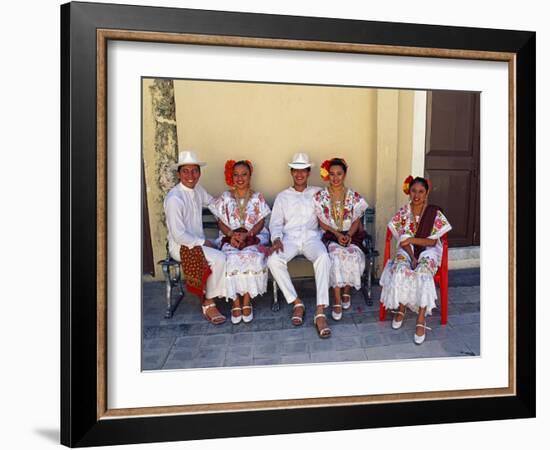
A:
<point x="267" y="361"/>
<point x="464" y="318"/>
<point x="339" y="330"/>
<point x="241" y="338"/>
<point x="223" y="328"/>
<point x="183" y="354"/>
<point x="266" y="337"/>
<point x="323" y="345"/>
<point x="240" y="351"/>
<point x="474" y="343"/>
<point x="374" y="327"/>
<point x="177" y="364"/>
<point x="294" y="347"/>
<point x="238" y="361"/>
<point x="200" y="363"/>
<point x="466" y="329"/>
<point x="365" y="318"/>
<point x="339" y="356"/>
<point x="469" y="307"/>
<point x="429" y="349"/>
<point x="153" y="360"/>
<point x="158" y="343"/>
<point x="346" y="320"/>
<point x="267" y="324"/>
<point x="347" y="342"/>
<point x="302" y="358"/>
<point x="293" y="334"/>
<point x="265" y="350"/>
<point x="187" y="341"/>
<point x="372" y="340"/>
<point x="195" y="329"/>
<point x="215" y="339"/>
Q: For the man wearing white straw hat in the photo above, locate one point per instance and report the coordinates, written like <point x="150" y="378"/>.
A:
<point x="203" y="266"/>
<point x="295" y="231"/>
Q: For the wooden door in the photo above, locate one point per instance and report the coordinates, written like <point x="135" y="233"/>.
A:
<point x="452" y="161"/>
<point x="147" y="263"/>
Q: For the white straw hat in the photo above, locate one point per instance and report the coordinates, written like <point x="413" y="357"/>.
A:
<point x="300" y="161"/>
<point x="188" y="157"/>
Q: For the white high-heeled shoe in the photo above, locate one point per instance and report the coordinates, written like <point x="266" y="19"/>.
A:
<point x="397" y="324"/>
<point x="248" y="317"/>
<point x="337" y="316"/>
<point x="420" y="339"/>
<point x="236" y="319"/>
<point x="346" y="304"/>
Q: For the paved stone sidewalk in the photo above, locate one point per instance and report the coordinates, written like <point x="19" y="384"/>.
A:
<point x="188" y="341"/>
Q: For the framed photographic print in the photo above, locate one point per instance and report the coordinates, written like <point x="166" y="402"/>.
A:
<point x="146" y="91"/>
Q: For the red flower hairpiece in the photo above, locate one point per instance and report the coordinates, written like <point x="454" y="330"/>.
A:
<point x="429" y="184"/>
<point x="407" y="184"/>
<point x="323" y="170"/>
<point x="228" y="172"/>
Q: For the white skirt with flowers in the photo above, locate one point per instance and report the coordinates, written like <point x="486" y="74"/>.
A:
<point x="245" y="271"/>
<point x="415" y="288"/>
<point x="347" y="265"/>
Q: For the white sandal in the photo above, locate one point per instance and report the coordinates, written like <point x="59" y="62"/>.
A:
<point x="214" y="320"/>
<point x="419" y="339"/>
<point x="249" y="317"/>
<point x="300" y="318"/>
<point x="337" y="316"/>
<point x="323" y="332"/>
<point x="346" y="305"/>
<point x="397" y="324"/>
<point x="237" y="319"/>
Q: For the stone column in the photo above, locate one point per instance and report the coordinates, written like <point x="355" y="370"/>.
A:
<point x="160" y="151"/>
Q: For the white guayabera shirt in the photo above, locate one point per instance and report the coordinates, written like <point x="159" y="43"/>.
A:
<point x="293" y="215"/>
<point x="183" y="208"/>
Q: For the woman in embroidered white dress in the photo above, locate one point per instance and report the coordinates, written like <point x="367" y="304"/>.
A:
<point x="407" y="280"/>
<point x="339" y="210"/>
<point x="241" y="214"/>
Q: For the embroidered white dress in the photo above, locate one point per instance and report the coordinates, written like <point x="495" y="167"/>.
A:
<point x="347" y="263"/>
<point x="246" y="269"/>
<point x="401" y="283"/>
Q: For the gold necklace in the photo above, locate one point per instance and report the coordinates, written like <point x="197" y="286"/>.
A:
<point x="337" y="207"/>
<point x="416" y="219"/>
<point x="242" y="203"/>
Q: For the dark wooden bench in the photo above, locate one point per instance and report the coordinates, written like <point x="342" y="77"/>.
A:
<point x="173" y="276"/>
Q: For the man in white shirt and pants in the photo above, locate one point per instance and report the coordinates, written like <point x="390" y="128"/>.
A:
<point x="183" y="208"/>
<point x="295" y="231"/>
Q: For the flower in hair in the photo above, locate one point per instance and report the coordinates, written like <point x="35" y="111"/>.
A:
<point x="228" y="172"/>
<point x="323" y="170"/>
<point x="407" y="184"/>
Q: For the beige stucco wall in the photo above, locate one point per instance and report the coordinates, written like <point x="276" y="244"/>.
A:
<point x="266" y="123"/>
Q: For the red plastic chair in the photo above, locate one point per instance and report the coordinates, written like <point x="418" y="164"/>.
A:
<point x="441" y="277"/>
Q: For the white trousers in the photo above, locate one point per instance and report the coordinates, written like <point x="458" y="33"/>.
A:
<point x="215" y="284"/>
<point x="315" y="251"/>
